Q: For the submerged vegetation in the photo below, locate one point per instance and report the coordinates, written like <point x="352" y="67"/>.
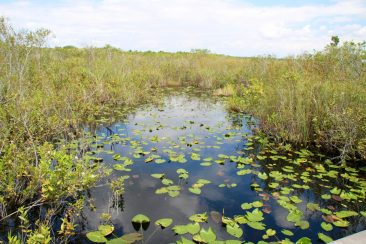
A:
<point x="49" y="96"/>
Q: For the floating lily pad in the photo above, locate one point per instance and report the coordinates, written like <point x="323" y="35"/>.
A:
<point x="140" y="218"/>
<point x="96" y="236"/>
<point x="199" y="217"/>
<point x="324" y="238"/>
<point x="164" y="222"/>
<point x="106" y="229"/>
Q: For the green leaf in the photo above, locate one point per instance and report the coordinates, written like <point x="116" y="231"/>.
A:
<point x="195" y="190"/>
<point x="208" y="235"/>
<point x="246" y="206"/>
<point x="158" y="176"/>
<point x="96" y="236"/>
<point x="257" y="204"/>
<point x="185" y="241"/>
<point x="341" y="223"/>
<point x="164" y="222"/>
<point x="173" y="193"/>
<point x="326" y="226"/>
<point x="270" y="232"/>
<point x="345" y="214"/>
<point x="287" y="232"/>
<point x="199" y="217"/>
<point x="140" y="218"/>
<point x="234" y="230"/>
<point x="193" y="228"/>
<point x="324" y="238"/>
<point x="132" y="237"/>
<point x="106" y="229"/>
<point x="257" y="225"/>
<point x="167" y="182"/>
<point x="180" y="229"/>
<point x="304" y="240"/>
<point x="254" y="216"/>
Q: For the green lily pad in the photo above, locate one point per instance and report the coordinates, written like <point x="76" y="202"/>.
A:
<point x="106" y="229"/>
<point x="193" y="228"/>
<point x="257" y="225"/>
<point x="326" y="226"/>
<point x="346" y="214"/>
<point x="287" y="232"/>
<point x="246" y="206"/>
<point x="158" y="176"/>
<point x="324" y="238"/>
<point x="341" y="223"/>
<point x="164" y="222"/>
<point x="234" y="230"/>
<point x="199" y="217"/>
<point x="304" y="240"/>
<point x="96" y="236"/>
<point x="255" y="216"/>
<point x="208" y="236"/>
<point x="140" y="218"/>
<point x="195" y="190"/>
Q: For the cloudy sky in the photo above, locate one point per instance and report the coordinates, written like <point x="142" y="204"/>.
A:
<point x="233" y="27"/>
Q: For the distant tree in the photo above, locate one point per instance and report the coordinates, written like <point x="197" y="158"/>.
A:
<point x="335" y="41"/>
<point x="201" y="51"/>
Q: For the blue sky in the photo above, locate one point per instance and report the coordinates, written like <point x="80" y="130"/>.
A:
<point x="233" y="27"/>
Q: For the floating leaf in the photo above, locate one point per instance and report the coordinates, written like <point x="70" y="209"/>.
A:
<point x="164" y="222"/>
<point x="254" y="216"/>
<point x="199" y="217"/>
<point x="324" y="238"/>
<point x="96" y="236"/>
<point x="257" y="225"/>
<point x="287" y="232"/>
<point x="106" y="229"/>
<point x="193" y="228"/>
<point x="195" y="190"/>
<point x="158" y="176"/>
<point x="208" y="236"/>
<point x="270" y="232"/>
<point x="341" y="223"/>
<point x="257" y="204"/>
<point x="246" y="206"/>
<point x="326" y="226"/>
<point x="304" y="240"/>
<point x="127" y="239"/>
<point x="345" y="214"/>
<point x="140" y="218"/>
<point x="234" y="230"/>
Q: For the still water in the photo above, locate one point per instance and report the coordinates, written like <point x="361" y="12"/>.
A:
<point x="197" y="134"/>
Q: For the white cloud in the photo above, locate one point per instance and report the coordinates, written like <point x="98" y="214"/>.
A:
<point x="224" y="26"/>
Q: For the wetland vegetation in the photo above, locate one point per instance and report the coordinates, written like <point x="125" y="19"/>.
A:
<point x="104" y="145"/>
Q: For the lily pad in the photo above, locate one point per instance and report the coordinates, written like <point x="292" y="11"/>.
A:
<point x="96" y="236"/>
<point x="324" y="238"/>
<point x="106" y="229"/>
<point x="164" y="222"/>
<point x="140" y="218"/>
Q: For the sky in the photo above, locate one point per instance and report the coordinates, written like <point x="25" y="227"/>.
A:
<point x="231" y="27"/>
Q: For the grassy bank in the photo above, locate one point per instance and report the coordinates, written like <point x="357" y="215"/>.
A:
<point x="46" y="94"/>
<point x="315" y="99"/>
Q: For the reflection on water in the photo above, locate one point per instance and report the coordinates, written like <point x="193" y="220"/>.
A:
<point x="201" y="125"/>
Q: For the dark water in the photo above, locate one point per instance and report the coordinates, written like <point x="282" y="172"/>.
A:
<point x="200" y="124"/>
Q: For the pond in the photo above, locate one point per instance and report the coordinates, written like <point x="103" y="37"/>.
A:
<point x="189" y="155"/>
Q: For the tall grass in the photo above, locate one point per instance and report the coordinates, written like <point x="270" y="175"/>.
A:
<point x="313" y="99"/>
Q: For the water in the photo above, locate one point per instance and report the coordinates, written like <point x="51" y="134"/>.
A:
<point x="200" y="124"/>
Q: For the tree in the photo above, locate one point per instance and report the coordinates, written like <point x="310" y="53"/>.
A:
<point x="335" y="41"/>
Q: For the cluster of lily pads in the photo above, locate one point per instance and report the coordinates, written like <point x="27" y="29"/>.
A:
<point x="279" y="174"/>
